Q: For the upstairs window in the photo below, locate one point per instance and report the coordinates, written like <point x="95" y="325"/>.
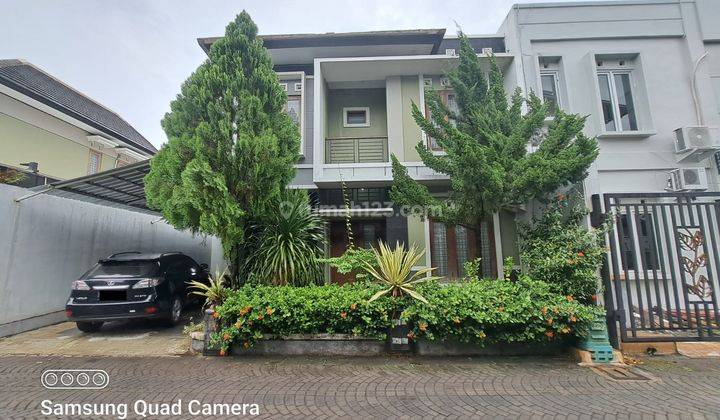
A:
<point x="292" y="107"/>
<point x="550" y="91"/>
<point x="616" y="98"/>
<point x="449" y="99"/>
<point x="94" y="162"/>
<point x="356" y="117"/>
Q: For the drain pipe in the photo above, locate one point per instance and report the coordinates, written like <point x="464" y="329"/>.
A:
<point x="695" y="94"/>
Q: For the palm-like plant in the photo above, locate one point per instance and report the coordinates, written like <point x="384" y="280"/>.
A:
<point x="394" y="270"/>
<point x="289" y="243"/>
<point x="214" y="291"/>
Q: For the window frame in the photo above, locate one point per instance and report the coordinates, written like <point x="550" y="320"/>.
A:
<point x="555" y="74"/>
<point x="444" y="95"/>
<point x="366" y="109"/>
<point x="286" y="108"/>
<point x="298" y="86"/>
<point x="610" y="74"/>
<point x="98" y="154"/>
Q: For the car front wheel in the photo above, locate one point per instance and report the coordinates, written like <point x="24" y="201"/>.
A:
<point x="89" y="327"/>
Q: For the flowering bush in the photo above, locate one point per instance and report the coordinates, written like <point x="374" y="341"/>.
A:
<point x="253" y="311"/>
<point x="493" y="311"/>
<point x="484" y="311"/>
<point x="557" y="248"/>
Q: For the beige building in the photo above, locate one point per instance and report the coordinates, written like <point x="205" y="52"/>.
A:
<point x="50" y="131"/>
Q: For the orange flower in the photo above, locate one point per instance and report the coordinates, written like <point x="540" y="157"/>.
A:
<point x="216" y="315"/>
<point x="222" y="352"/>
<point x="422" y="326"/>
<point x="565" y="330"/>
<point x="245" y="310"/>
<point x="549" y="334"/>
<point x="250" y="323"/>
<point x="573" y="319"/>
<point x="353" y="306"/>
<point x="544" y="310"/>
<point x="501" y="309"/>
<point x="580" y="254"/>
<point x="593" y="298"/>
<point x="343" y="314"/>
<point x="269" y="311"/>
<point x="260" y="317"/>
<point x="549" y="321"/>
<point x="226" y="337"/>
<point x="571" y="262"/>
<point x="555" y="309"/>
<point x="410" y="335"/>
<point x="569" y="298"/>
<point x="560" y="196"/>
<point x="456" y="320"/>
<point x="246" y="345"/>
<point x="239" y="324"/>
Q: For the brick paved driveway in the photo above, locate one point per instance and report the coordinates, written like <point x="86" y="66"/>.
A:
<point x="378" y="387"/>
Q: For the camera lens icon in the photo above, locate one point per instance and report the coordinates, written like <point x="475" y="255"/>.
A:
<point x="75" y="379"/>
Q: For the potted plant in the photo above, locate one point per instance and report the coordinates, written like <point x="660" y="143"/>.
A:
<point x="394" y="270"/>
<point x="214" y="292"/>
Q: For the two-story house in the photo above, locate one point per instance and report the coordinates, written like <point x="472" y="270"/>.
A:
<point x="637" y="68"/>
<point x="50" y="131"/>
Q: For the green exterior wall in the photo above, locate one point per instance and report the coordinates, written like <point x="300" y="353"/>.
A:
<point x="411" y="132"/>
<point x="338" y="99"/>
<point x="57" y="156"/>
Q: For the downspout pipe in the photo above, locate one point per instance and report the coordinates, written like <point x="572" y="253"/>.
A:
<point x="695" y="93"/>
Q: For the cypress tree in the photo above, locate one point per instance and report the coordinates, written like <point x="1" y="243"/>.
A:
<point x="486" y="141"/>
<point x="231" y="147"/>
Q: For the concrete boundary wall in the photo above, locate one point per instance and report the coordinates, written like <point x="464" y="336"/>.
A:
<point x="47" y="242"/>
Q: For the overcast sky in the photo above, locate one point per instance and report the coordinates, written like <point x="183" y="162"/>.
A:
<point x="132" y="55"/>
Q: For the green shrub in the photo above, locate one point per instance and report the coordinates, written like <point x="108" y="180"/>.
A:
<point x="557" y="249"/>
<point x="287" y="243"/>
<point x="253" y="311"/>
<point x="353" y="260"/>
<point x="484" y="311"/>
<point x="492" y="311"/>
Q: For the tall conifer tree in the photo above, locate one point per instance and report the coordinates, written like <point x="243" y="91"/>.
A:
<point x="486" y="141"/>
<point x="231" y="147"/>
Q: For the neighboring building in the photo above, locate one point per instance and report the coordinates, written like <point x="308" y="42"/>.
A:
<point x="67" y="134"/>
<point x="628" y="65"/>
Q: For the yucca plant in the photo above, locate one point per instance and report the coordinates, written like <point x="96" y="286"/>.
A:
<point x="214" y="291"/>
<point x="289" y="242"/>
<point x="394" y="270"/>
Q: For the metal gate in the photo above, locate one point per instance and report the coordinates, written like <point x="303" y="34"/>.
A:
<point x="661" y="272"/>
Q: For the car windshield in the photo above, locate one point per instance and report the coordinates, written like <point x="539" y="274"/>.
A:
<point x="124" y="269"/>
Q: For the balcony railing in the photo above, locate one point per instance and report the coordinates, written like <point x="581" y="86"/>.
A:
<point x="356" y="150"/>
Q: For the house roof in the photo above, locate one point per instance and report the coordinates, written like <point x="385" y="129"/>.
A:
<point x="33" y="82"/>
<point x="345" y="39"/>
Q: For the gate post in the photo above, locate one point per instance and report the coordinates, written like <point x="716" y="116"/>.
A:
<point x="597" y="217"/>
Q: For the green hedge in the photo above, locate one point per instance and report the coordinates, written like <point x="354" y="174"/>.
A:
<point x="492" y="311"/>
<point x="485" y="311"/>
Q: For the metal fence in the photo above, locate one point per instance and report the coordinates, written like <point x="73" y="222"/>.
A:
<point x="661" y="271"/>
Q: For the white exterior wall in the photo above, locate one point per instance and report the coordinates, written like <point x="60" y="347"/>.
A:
<point x="47" y="242"/>
<point x="667" y="39"/>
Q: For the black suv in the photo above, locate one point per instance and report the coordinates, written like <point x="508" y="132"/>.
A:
<point x="133" y="285"/>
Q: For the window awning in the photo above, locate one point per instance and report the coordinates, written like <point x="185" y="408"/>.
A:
<point x="121" y="187"/>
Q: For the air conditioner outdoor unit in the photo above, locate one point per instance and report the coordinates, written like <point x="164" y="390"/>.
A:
<point x="487" y="50"/>
<point x="444" y="81"/>
<point x="685" y="179"/>
<point x="696" y="143"/>
<point x="450" y="51"/>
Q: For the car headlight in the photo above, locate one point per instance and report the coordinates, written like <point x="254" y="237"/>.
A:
<point x="80" y="285"/>
<point x="145" y="283"/>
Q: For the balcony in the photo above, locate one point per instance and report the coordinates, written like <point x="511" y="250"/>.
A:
<point x="356" y="150"/>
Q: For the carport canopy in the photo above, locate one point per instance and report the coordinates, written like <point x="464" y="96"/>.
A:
<point x="122" y="187"/>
